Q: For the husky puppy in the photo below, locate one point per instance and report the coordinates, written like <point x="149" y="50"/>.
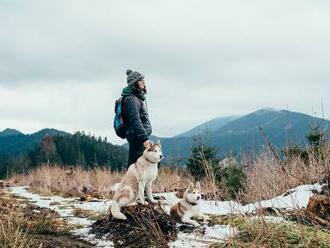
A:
<point x="138" y="178"/>
<point x="188" y="206"/>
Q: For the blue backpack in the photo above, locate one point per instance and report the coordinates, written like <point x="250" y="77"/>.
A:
<point x="119" y="124"/>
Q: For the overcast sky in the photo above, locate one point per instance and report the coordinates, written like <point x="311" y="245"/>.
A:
<point x="63" y="62"/>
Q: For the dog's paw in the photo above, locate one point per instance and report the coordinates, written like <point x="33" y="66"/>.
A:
<point x="142" y="203"/>
<point x="154" y="201"/>
<point x="120" y="217"/>
<point x="132" y="204"/>
<point x="196" y="224"/>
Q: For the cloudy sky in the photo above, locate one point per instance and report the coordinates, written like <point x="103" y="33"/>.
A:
<point x="63" y="62"/>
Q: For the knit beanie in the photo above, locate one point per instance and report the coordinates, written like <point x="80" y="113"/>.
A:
<point x="133" y="77"/>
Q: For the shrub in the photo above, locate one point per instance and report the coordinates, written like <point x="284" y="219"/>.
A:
<point x="201" y="154"/>
<point x="232" y="178"/>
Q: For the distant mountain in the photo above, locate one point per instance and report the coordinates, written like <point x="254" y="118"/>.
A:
<point x="13" y="142"/>
<point x="49" y="132"/>
<point x="243" y="135"/>
<point x="10" y="132"/>
<point x="208" y="126"/>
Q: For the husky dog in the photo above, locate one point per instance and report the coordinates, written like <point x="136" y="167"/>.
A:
<point x="188" y="206"/>
<point x="138" y="178"/>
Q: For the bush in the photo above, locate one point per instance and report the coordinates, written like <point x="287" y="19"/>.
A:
<point x="202" y="156"/>
<point x="230" y="176"/>
<point x="232" y="179"/>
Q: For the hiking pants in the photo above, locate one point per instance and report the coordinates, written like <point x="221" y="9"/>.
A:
<point x="135" y="149"/>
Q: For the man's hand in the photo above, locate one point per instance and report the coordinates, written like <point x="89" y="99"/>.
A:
<point x="147" y="144"/>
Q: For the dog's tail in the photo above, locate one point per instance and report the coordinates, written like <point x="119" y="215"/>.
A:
<point x="115" y="187"/>
<point x="115" y="211"/>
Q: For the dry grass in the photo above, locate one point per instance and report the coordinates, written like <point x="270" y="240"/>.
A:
<point x="262" y="233"/>
<point x="48" y="180"/>
<point x="24" y="225"/>
<point x="13" y="234"/>
<point x="268" y="177"/>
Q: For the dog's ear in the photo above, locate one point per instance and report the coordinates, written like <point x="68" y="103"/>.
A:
<point x="158" y="144"/>
<point x="198" y="186"/>
<point x="152" y="147"/>
<point x="191" y="185"/>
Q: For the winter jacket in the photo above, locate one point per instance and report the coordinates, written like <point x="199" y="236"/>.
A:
<point x="136" y="118"/>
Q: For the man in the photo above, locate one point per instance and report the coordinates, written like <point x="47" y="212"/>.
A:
<point x="135" y="115"/>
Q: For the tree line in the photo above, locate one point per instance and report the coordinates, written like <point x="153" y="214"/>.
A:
<point x="67" y="150"/>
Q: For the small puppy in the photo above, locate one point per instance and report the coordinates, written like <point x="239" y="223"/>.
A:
<point x="138" y="178"/>
<point x="188" y="206"/>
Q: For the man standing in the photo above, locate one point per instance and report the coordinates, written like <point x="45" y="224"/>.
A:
<point x="135" y="115"/>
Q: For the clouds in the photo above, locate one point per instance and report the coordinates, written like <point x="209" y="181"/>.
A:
<point x="217" y="57"/>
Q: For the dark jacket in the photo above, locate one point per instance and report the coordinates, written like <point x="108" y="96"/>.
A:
<point x="136" y="118"/>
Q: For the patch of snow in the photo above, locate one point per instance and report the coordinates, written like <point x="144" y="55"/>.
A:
<point x="80" y="221"/>
<point x="64" y="208"/>
<point x="212" y="234"/>
<point x="220" y="207"/>
<point x="99" y="207"/>
<point x="294" y="199"/>
<point x="84" y="232"/>
<point x="44" y="202"/>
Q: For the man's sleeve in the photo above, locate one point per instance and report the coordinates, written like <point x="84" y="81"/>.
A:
<point x="133" y="117"/>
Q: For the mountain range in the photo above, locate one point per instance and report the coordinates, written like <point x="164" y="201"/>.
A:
<point x="243" y="134"/>
<point x="231" y="133"/>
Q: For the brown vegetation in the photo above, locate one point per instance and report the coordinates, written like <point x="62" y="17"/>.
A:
<point x="266" y="177"/>
<point x="23" y="225"/>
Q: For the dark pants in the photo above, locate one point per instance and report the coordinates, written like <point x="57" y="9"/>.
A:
<point x="135" y="149"/>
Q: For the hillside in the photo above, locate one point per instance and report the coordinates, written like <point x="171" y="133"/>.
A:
<point x="20" y="153"/>
<point x="242" y="134"/>
<point x="209" y="126"/>
<point x="13" y="142"/>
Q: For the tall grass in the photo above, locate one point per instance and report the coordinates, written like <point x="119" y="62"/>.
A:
<point x="48" y="180"/>
<point x="266" y="177"/>
<point x="56" y="179"/>
<point x="13" y="234"/>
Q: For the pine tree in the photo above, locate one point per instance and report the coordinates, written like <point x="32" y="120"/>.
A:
<point x="201" y="155"/>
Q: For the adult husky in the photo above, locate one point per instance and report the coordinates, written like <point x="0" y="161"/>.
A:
<point x="138" y="178"/>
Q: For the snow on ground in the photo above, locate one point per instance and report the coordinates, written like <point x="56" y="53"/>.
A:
<point x="212" y="234"/>
<point x="293" y="199"/>
<point x="65" y="207"/>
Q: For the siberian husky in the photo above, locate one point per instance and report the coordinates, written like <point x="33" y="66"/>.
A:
<point x="188" y="206"/>
<point x="138" y="178"/>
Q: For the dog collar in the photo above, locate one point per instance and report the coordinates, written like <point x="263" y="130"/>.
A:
<point x="147" y="161"/>
<point x="192" y="203"/>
